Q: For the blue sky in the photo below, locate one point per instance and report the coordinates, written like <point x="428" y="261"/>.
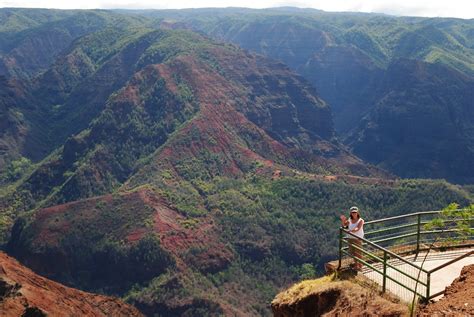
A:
<point x="430" y="8"/>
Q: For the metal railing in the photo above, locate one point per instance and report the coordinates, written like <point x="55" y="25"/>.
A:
<point x="388" y="244"/>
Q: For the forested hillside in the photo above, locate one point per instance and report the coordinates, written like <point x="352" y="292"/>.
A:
<point x="359" y="62"/>
<point x="144" y="159"/>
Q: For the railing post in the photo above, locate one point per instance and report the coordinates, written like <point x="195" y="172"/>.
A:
<point x="340" y="248"/>
<point x="418" y="230"/>
<point x="428" y="282"/>
<point x="384" y="283"/>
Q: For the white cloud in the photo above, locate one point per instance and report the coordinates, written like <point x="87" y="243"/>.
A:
<point x="442" y="8"/>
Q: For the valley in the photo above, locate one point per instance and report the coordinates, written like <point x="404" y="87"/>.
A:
<point x="195" y="162"/>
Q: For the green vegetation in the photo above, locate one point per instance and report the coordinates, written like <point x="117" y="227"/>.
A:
<point x="88" y="241"/>
<point x="15" y="170"/>
<point x="454" y="217"/>
<point x="380" y="74"/>
<point x="382" y="38"/>
<point x="280" y="231"/>
<point x="213" y="160"/>
<point x="301" y="215"/>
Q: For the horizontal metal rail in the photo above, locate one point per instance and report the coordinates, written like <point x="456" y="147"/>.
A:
<point x="421" y="213"/>
<point x="387" y="263"/>
<point x="403" y="216"/>
<point x="381" y="273"/>
<point x="452" y="261"/>
<point x="434" y="247"/>
<point x="441" y="231"/>
<point x="415" y="234"/>
<point x="423" y="224"/>
<point x="414" y="224"/>
<point x="436" y="294"/>
<point x="366" y="263"/>
<point x="385" y="250"/>
<point x="391" y="228"/>
<point x="397" y="237"/>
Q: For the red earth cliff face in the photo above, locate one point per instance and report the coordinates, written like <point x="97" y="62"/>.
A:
<point x="458" y="299"/>
<point x="22" y="291"/>
<point x="323" y="297"/>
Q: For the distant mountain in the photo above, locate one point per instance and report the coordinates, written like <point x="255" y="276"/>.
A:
<point x="295" y="36"/>
<point x="347" y="57"/>
<point x="188" y="176"/>
<point x="157" y="88"/>
<point x="421" y="125"/>
<point x="350" y="59"/>
<point x="31" y="40"/>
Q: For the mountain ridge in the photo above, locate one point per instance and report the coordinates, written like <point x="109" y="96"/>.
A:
<point x="186" y="175"/>
<point x="348" y="59"/>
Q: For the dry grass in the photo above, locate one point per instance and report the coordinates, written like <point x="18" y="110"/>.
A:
<point x="347" y="297"/>
<point x="304" y="289"/>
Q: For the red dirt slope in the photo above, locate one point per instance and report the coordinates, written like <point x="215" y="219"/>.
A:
<point x="327" y="297"/>
<point x="458" y="298"/>
<point x="22" y="292"/>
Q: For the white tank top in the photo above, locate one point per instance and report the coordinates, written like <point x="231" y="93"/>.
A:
<point x="352" y="226"/>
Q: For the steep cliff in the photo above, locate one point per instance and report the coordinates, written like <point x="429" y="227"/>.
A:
<point x="328" y="297"/>
<point x="400" y="89"/>
<point x="458" y="299"/>
<point x="420" y="124"/>
<point x="24" y="293"/>
<point x="324" y="297"/>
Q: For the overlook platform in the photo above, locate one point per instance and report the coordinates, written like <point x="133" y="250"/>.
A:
<point x="415" y="254"/>
<point x="439" y="278"/>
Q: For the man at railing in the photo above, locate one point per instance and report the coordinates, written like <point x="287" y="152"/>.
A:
<point x="355" y="225"/>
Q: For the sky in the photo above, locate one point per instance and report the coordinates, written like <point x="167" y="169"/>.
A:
<point x="427" y="8"/>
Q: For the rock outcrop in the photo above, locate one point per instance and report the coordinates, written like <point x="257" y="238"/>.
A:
<point x="323" y="297"/>
<point x="458" y="299"/>
<point x="24" y="293"/>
